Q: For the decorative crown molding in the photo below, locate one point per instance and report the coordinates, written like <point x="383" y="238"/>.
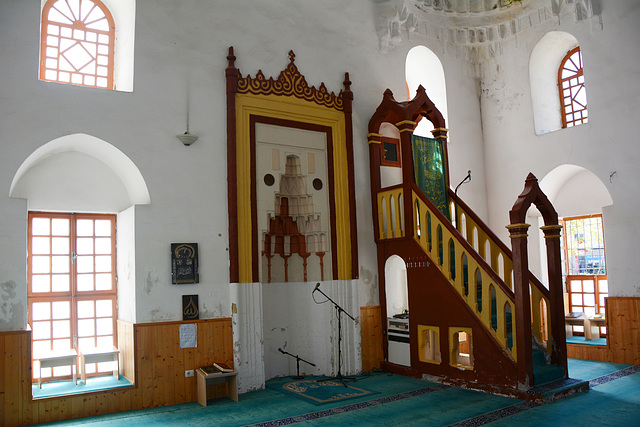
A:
<point x="290" y="82"/>
<point x="476" y="24"/>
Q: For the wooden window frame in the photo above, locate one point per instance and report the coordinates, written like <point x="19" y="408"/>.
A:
<point x="50" y="44"/>
<point x="576" y="80"/>
<point x="383" y="160"/>
<point x="73" y="295"/>
<point x="597" y="278"/>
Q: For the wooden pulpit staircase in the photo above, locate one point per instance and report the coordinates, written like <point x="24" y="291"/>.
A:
<point x="478" y="318"/>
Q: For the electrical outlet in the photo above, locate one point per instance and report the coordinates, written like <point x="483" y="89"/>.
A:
<point x="188" y="373"/>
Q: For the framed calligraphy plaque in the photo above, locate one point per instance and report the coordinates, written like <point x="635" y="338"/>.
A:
<point x="190" y="310"/>
<point x="184" y="263"/>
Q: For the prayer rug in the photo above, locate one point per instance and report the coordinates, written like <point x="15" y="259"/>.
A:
<point x="319" y="393"/>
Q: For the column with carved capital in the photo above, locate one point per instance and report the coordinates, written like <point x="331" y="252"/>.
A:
<point x="518" y="235"/>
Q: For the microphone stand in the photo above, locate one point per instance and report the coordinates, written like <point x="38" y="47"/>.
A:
<point x="298" y="359"/>
<point x="455" y="196"/>
<point x="340" y="310"/>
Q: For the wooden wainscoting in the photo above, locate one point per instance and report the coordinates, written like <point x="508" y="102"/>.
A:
<point x="623" y="329"/>
<point x="623" y="334"/>
<point x="151" y="358"/>
<point x="371" y="330"/>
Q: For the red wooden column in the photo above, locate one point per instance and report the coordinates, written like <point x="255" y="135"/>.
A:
<point x="558" y="333"/>
<point x="408" y="177"/>
<point x="232" y="75"/>
<point x="518" y="235"/>
<point x="347" y="99"/>
<point x="374" y="140"/>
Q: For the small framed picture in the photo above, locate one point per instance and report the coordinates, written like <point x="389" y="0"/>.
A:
<point x="184" y="263"/>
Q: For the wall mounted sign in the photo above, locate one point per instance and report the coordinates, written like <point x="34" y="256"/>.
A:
<point x="184" y="263"/>
<point x="188" y="335"/>
<point x="190" y="309"/>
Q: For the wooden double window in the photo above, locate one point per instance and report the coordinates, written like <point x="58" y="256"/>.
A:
<point x="71" y="284"/>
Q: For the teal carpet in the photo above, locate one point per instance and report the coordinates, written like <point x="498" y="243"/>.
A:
<point x="580" y="340"/>
<point x="614" y="400"/>
<point x="61" y="388"/>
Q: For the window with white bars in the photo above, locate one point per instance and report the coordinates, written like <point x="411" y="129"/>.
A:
<point x="71" y="286"/>
<point x="77" y="43"/>
<point x="573" y="95"/>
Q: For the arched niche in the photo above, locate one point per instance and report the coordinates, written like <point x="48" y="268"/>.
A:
<point x="79" y="172"/>
<point x="395" y="277"/>
<point x="287" y="102"/>
<point x="423" y="68"/>
<point x="82" y="173"/>
<point x="543" y="77"/>
<point x="574" y="191"/>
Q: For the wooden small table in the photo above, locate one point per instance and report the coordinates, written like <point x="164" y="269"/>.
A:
<point x="570" y="321"/>
<point x="99" y="355"/>
<point x="592" y="330"/>
<point x="65" y="358"/>
<point x="225" y="377"/>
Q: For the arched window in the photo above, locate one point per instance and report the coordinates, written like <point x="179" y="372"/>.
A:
<point x="573" y="95"/>
<point x="77" y="43"/>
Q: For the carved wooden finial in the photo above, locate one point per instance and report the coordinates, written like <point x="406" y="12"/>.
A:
<point x="231" y="58"/>
<point x="347" y="82"/>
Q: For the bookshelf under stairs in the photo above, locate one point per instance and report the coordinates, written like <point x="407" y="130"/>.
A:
<point x="477" y="317"/>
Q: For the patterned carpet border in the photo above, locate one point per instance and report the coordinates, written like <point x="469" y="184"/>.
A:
<point x="614" y="376"/>
<point x="352" y="407"/>
<point x="492" y="416"/>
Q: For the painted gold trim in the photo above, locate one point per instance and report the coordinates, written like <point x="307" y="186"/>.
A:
<point x="518" y="235"/>
<point x="440" y="130"/>
<point x="290" y="82"/>
<point x="406" y="122"/>
<point x="551" y="227"/>
<point x="300" y="110"/>
<point x="371" y="136"/>
<point x="521" y="225"/>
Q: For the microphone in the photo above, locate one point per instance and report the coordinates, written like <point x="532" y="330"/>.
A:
<point x="316" y="288"/>
<point x="280" y="350"/>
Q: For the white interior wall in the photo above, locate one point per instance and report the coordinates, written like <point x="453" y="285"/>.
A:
<point x="513" y="150"/>
<point x="180" y="67"/>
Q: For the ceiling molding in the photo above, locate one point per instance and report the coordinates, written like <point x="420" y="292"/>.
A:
<point x="479" y="26"/>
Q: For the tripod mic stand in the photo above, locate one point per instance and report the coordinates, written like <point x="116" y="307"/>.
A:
<point x="339" y="310"/>
<point x="298" y="359"/>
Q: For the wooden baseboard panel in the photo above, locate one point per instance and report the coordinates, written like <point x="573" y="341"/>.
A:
<point x="151" y="358"/>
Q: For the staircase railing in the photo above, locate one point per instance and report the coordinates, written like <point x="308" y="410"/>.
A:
<point x="391" y="213"/>
<point x="482" y="238"/>
<point x="488" y="297"/>
<point x="485" y="255"/>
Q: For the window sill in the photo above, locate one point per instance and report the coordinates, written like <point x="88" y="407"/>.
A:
<point x="66" y="388"/>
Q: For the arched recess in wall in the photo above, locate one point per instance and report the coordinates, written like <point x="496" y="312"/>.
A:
<point x="395" y="278"/>
<point x="573" y="191"/>
<point x="82" y="173"/>
<point x="259" y="110"/>
<point x="423" y="67"/>
<point x="543" y="74"/>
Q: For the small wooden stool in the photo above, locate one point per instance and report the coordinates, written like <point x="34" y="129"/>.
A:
<point x="68" y="358"/>
<point x="99" y="355"/>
